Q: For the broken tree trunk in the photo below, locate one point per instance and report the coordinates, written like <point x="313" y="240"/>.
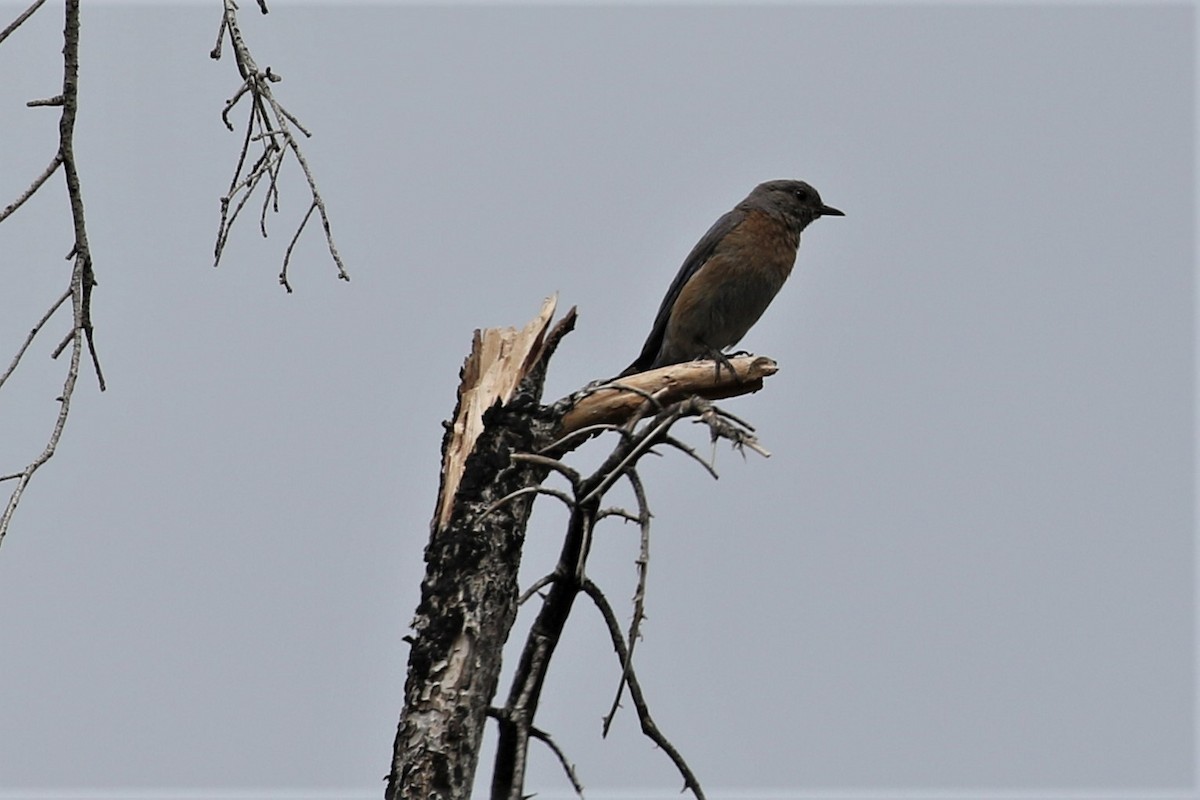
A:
<point x="469" y="593"/>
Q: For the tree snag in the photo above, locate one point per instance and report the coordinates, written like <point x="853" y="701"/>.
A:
<point x="502" y="444"/>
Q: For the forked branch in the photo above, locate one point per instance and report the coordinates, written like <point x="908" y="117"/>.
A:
<point x="268" y="132"/>
<point x="82" y="278"/>
<point x="649" y="728"/>
<point x="569" y="578"/>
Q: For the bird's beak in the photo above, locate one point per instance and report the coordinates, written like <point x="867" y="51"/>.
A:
<point x="830" y="211"/>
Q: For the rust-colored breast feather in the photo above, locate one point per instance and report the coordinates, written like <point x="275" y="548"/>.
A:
<point x="730" y="292"/>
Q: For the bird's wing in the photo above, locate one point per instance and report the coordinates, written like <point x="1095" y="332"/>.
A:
<point x="696" y="259"/>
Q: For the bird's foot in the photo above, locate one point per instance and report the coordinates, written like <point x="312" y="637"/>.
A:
<point x="720" y="360"/>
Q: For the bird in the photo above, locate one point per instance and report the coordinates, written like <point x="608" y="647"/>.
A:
<point x="731" y="276"/>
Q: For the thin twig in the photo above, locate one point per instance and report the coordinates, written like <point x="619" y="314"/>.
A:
<point x="646" y="439"/>
<point x="639" y="594"/>
<point x="287" y="256"/>
<point x="691" y="451"/>
<point x="41" y="323"/>
<point x="550" y="463"/>
<point x="539" y="734"/>
<point x="732" y="417"/>
<point x="91" y="343"/>
<point x="584" y="433"/>
<point x="269" y="125"/>
<point x="63" y="344"/>
<point x="33" y="187"/>
<point x="24" y="15"/>
<point x="635" y="691"/>
<point x="215" y="53"/>
<point x="540" y="583"/>
<point x="82" y="277"/>
<point x="616" y="386"/>
<point x="624" y="514"/>
<point x="567" y="500"/>
<point x="231" y="102"/>
<point x="568" y="767"/>
<point x="738" y="435"/>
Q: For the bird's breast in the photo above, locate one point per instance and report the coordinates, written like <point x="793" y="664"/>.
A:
<point x="762" y="249"/>
<point x="736" y="284"/>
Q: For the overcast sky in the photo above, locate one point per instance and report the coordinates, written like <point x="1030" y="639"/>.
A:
<point x="968" y="567"/>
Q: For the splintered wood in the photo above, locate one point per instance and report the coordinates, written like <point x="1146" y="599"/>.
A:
<point x="500" y="358"/>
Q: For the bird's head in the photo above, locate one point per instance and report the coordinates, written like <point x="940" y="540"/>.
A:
<point x="795" y="200"/>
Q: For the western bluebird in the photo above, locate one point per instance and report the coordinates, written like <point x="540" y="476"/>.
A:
<point x="731" y="275"/>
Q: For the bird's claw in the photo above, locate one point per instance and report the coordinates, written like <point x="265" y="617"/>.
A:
<point x="720" y="360"/>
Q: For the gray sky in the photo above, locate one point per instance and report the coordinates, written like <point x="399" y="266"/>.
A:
<point x="968" y="566"/>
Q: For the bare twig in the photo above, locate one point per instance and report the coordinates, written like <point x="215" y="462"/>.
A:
<point x="624" y="514"/>
<point x="287" y="255"/>
<point x="639" y="594"/>
<point x="540" y="583"/>
<point x="635" y="691"/>
<point x="542" y="736"/>
<point x="722" y="425"/>
<point x="33" y="187"/>
<point x="691" y="452"/>
<point x="82" y="277"/>
<point x="24" y="15"/>
<point x="268" y="125"/>
<point x="640" y="444"/>
<point x="568" y="767"/>
<point x="215" y="53"/>
<point x="570" y="474"/>
<point x="41" y="323"/>
<point x="567" y="500"/>
<point x="607" y="386"/>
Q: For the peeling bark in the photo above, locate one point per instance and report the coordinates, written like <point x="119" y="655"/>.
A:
<point x="469" y="594"/>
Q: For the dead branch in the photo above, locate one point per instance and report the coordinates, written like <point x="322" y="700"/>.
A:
<point x="569" y="578"/>
<point x="553" y="464"/>
<point x="24" y="15"/>
<point x="268" y="125"/>
<point x="508" y="777"/>
<point x="542" y="736"/>
<point x="563" y="497"/>
<point x="82" y="278"/>
<point x="539" y="584"/>
<point x="691" y="453"/>
<point x="36" y="184"/>
<point x="496" y="453"/>
<point x="41" y="323"/>
<point x="639" y="595"/>
<point x="619" y="401"/>
<point x="635" y="691"/>
<point x="723" y="425"/>
<point x="568" y="767"/>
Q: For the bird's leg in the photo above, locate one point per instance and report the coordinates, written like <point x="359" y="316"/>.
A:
<point x="719" y="360"/>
